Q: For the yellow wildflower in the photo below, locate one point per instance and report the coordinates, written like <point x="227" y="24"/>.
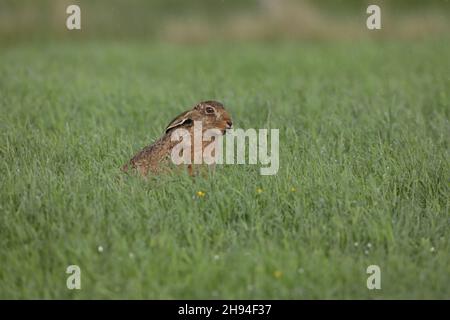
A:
<point x="277" y="274"/>
<point x="201" y="194"/>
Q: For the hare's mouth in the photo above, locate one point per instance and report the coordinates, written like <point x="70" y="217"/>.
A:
<point x="229" y="125"/>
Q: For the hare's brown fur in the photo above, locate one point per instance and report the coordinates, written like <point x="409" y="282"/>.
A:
<point x="156" y="157"/>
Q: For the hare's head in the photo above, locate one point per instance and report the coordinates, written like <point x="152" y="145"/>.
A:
<point x="212" y="114"/>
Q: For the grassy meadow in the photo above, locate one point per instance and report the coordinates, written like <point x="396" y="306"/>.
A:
<point x="363" y="178"/>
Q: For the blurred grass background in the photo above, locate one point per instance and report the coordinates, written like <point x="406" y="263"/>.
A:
<point x="222" y="20"/>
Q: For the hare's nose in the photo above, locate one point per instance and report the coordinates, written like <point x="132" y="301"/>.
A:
<point x="229" y="124"/>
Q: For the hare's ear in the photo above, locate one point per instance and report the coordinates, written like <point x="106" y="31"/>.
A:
<point x="182" y="119"/>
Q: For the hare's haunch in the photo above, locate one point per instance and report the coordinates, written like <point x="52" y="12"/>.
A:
<point x="156" y="156"/>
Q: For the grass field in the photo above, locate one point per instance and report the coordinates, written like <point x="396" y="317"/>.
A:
<point x="364" y="141"/>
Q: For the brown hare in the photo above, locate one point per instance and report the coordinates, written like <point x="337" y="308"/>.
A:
<point x="156" y="157"/>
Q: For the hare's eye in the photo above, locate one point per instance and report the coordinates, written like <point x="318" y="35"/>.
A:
<point x="209" y="110"/>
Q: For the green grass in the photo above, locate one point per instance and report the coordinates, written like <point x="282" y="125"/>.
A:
<point x="364" y="139"/>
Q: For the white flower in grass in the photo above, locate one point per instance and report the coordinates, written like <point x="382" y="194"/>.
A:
<point x="432" y="249"/>
<point x="356" y="244"/>
<point x="369" y="245"/>
<point x="100" y="249"/>
<point x="216" y="257"/>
